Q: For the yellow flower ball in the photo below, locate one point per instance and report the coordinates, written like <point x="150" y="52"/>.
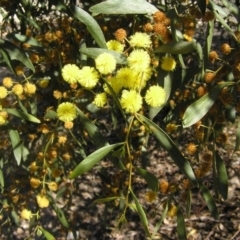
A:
<point x="138" y="60"/>
<point x="42" y="201"/>
<point x="43" y="83"/>
<point x="150" y="196"/>
<point x="105" y="63"/>
<point x="88" y="77"/>
<point x="53" y="186"/>
<point x="168" y="64"/>
<point x="115" y="46"/>
<point x="100" y="99"/>
<point x="140" y="39"/>
<point x="126" y="77"/>
<point x="17" y="89"/>
<point x="7" y="82"/>
<point x="131" y="101"/>
<point x="35" y="182"/>
<point x="29" y="88"/>
<point x="70" y="73"/>
<point x="26" y="214"/>
<point x="155" y="96"/>
<point x="66" y="112"/>
<point x="3" y="92"/>
<point x="115" y="84"/>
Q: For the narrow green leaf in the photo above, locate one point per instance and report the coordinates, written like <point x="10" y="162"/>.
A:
<point x="218" y="9"/>
<point x="15" y="217"/>
<point x="208" y="45"/>
<point x="159" y="223"/>
<point x="123" y="7"/>
<point x="50" y="114"/>
<point x="22" y="115"/>
<point x="151" y="179"/>
<point x="181" y="228"/>
<point x="16" y="53"/>
<point x="224" y="23"/>
<point x="174" y="47"/>
<point x="237" y="141"/>
<point x="167" y="143"/>
<point x="16" y="145"/>
<point x="141" y="214"/>
<point x="47" y="234"/>
<point x="95" y="52"/>
<point x="104" y="200"/>
<point x="222" y="177"/>
<point x="1" y="179"/>
<point x="92" y="25"/>
<point x="92" y="130"/>
<point x="24" y="39"/>
<point x="61" y="216"/>
<point x="92" y="160"/>
<point x="7" y="59"/>
<point x="198" y="109"/>
<point x="210" y="202"/>
<point x="189" y="202"/>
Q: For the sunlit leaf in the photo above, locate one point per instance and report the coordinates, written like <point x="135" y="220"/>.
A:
<point x="210" y="202"/>
<point x="1" y="179"/>
<point x="218" y="9"/>
<point x="159" y="223"/>
<point x="6" y="58"/>
<point x="198" y="109"/>
<point x="95" y="52"/>
<point x="222" y="177"/>
<point x="141" y="214"/>
<point x="47" y="234"/>
<point x="16" y="145"/>
<point x="208" y="44"/>
<point x="16" y="53"/>
<point x="92" y="25"/>
<point x="224" y="23"/>
<point x="22" y="115"/>
<point x="237" y="141"/>
<point x="50" y="114"/>
<point x="92" y="160"/>
<point x="151" y="179"/>
<point x="61" y="216"/>
<point x="124" y="7"/>
<point x="24" y="39"/>
<point x="175" y="47"/>
<point x="167" y="143"/>
<point x="181" y="228"/>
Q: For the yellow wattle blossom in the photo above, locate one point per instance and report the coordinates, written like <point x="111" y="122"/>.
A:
<point x="70" y="73"/>
<point x="53" y="186"/>
<point x="88" y="77"/>
<point x="105" y="63"/>
<point x="100" y="99"/>
<point x="140" y="39"/>
<point x="155" y="96"/>
<point x="29" y="88"/>
<point x="26" y="214"/>
<point x="35" y="182"/>
<point x="150" y="196"/>
<point x="168" y="64"/>
<point x="138" y="60"/>
<point x="126" y="77"/>
<point x="131" y="101"/>
<point x="66" y="112"/>
<point x="3" y="92"/>
<point x="42" y="201"/>
<point x="115" y="84"/>
<point x="7" y="82"/>
<point x="115" y="46"/>
<point x="17" y="89"/>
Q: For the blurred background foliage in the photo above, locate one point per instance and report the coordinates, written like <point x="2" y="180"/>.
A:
<point x="41" y="155"/>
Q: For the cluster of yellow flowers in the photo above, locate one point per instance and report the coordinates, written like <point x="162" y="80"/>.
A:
<point x="126" y="81"/>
